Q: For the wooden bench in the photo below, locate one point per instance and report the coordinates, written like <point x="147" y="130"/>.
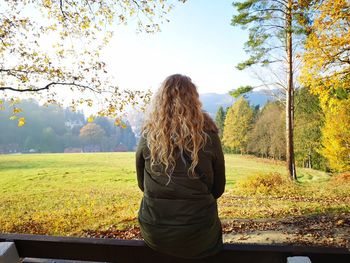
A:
<point x="117" y="250"/>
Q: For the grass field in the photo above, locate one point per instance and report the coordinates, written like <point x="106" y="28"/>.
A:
<point x="69" y="194"/>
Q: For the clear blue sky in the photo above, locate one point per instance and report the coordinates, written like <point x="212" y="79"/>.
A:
<point x="198" y="41"/>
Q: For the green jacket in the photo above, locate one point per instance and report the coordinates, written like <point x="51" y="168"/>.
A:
<point x="180" y="217"/>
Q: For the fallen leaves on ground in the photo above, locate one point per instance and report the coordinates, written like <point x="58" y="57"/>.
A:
<point x="321" y="230"/>
<point x="113" y="232"/>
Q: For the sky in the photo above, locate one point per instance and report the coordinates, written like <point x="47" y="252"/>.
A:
<point x="198" y="41"/>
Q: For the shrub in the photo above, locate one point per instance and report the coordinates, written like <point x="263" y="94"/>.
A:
<point x="266" y="184"/>
<point x="343" y="178"/>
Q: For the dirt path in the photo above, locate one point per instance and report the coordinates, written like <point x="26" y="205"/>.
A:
<point x="324" y="230"/>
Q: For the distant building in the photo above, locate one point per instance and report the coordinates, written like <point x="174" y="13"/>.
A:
<point x="92" y="148"/>
<point x="73" y="123"/>
<point x="120" y="148"/>
<point x="10" y="148"/>
<point x="73" y="150"/>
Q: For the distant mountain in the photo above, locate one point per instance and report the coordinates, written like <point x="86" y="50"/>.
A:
<point x="212" y="101"/>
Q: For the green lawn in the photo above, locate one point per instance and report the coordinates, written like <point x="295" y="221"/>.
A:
<point x="66" y="194"/>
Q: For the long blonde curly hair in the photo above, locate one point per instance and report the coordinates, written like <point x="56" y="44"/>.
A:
<point x="176" y="123"/>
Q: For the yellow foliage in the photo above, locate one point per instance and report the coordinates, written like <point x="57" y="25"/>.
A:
<point x="85" y="24"/>
<point x="91" y="118"/>
<point x="326" y="71"/>
<point x="16" y="110"/>
<point x="266" y="184"/>
<point x="21" y="121"/>
<point x="327" y="58"/>
<point x="47" y="3"/>
<point x="14" y="101"/>
<point x="341" y="179"/>
<point x="24" y="78"/>
<point x="237" y="125"/>
<point x="77" y="31"/>
<point x="336" y="136"/>
<point x="117" y="122"/>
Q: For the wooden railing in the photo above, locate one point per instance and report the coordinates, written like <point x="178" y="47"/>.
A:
<point x="117" y="250"/>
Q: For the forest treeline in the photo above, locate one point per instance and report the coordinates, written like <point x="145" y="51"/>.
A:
<point x="248" y="129"/>
<point x="301" y="49"/>
<point x="55" y="129"/>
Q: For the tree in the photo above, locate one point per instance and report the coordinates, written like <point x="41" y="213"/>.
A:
<point x="309" y="120"/>
<point x="336" y="136"/>
<point x="326" y="72"/>
<point x="273" y="27"/>
<point x="92" y="134"/>
<point x="49" y="141"/>
<point x="127" y="137"/>
<point x="326" y="69"/>
<point x="220" y="120"/>
<point x="238" y="123"/>
<point x="243" y="90"/>
<point x="53" y="46"/>
<point x="29" y="143"/>
<point x="105" y="124"/>
<point x="38" y="119"/>
<point x="267" y="138"/>
<point x="52" y="129"/>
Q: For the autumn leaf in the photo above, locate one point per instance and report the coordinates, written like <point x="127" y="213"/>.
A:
<point x="47" y="3"/>
<point x="117" y="122"/>
<point x="16" y="110"/>
<point x="21" y="121"/>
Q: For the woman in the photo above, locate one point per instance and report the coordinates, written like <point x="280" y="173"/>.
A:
<point x="180" y="168"/>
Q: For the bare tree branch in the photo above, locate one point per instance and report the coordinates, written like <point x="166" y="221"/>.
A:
<point x="48" y="87"/>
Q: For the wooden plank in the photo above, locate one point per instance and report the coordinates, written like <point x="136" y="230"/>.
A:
<point x="117" y="250"/>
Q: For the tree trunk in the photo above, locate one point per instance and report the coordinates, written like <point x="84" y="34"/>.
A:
<point x="310" y="163"/>
<point x="310" y="159"/>
<point x="290" y="96"/>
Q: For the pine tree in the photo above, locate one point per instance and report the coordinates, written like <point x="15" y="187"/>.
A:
<point x="273" y="26"/>
<point x="220" y="120"/>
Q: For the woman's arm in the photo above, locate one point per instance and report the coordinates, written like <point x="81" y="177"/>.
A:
<point x="218" y="167"/>
<point x="140" y="163"/>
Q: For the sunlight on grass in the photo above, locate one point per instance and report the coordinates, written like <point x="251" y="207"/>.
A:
<point x="66" y="194"/>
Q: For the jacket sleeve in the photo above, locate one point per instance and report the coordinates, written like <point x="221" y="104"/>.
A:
<point x="140" y="163"/>
<point x="218" y="167"/>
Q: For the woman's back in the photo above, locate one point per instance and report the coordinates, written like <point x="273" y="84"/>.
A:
<point x="178" y="213"/>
